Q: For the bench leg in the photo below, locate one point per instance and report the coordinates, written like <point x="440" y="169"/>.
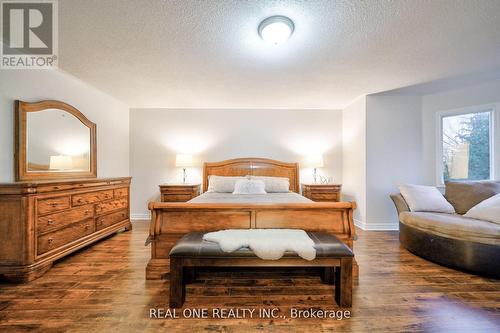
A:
<point x="328" y="275"/>
<point x="177" y="285"/>
<point x="189" y="275"/>
<point x="343" y="283"/>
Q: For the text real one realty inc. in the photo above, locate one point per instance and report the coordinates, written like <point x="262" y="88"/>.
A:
<point x="245" y="313"/>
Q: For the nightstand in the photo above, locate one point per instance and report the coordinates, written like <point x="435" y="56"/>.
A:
<point x="179" y="192"/>
<point x="322" y="192"/>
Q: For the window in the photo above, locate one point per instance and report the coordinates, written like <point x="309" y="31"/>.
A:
<point x="466" y="146"/>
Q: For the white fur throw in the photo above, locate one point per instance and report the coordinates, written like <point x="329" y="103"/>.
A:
<point x="268" y="244"/>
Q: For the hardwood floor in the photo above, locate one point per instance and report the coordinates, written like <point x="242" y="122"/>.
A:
<point x="102" y="289"/>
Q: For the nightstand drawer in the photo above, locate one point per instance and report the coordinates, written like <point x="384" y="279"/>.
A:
<point x="324" y="197"/>
<point x="322" y="192"/>
<point x="176" y="197"/>
<point x="179" y="193"/>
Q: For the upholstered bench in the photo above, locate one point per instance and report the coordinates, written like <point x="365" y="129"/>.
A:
<point x="192" y="251"/>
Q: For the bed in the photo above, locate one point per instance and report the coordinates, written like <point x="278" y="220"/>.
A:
<point x="216" y="211"/>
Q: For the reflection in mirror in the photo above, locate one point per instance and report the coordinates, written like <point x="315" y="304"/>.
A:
<point x="57" y="141"/>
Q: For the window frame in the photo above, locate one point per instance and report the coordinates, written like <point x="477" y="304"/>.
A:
<point x="439" y="136"/>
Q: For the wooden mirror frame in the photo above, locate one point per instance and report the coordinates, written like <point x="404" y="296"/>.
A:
<point x="21" y="109"/>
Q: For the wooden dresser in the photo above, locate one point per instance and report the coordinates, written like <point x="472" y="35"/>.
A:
<point x="42" y="221"/>
<point x="322" y="192"/>
<point x="179" y="192"/>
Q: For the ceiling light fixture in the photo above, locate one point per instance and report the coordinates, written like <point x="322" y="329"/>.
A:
<point x="276" y="29"/>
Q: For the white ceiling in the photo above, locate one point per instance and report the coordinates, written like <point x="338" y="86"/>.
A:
<point x="207" y="54"/>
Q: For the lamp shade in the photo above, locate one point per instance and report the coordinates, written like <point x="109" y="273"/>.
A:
<point x="314" y="161"/>
<point x="60" y="162"/>
<point x="183" y="160"/>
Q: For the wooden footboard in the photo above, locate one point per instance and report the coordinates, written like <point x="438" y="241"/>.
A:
<point x="170" y="221"/>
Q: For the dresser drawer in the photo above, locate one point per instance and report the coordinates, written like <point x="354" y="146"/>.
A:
<point x="176" y="197"/>
<point x="60" y="220"/>
<point x="50" y="205"/>
<point x="88" y="198"/>
<point x="121" y="192"/>
<point x="109" y="206"/>
<point x="110" y="219"/>
<point x="64" y="236"/>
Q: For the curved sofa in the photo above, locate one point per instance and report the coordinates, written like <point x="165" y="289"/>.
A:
<point x="450" y="239"/>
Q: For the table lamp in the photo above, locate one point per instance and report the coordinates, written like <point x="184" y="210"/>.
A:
<point x="183" y="161"/>
<point x="315" y="161"/>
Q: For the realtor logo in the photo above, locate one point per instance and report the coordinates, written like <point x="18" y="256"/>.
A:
<point x="29" y="34"/>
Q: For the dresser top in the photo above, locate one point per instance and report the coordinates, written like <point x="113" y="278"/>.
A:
<point x="32" y="187"/>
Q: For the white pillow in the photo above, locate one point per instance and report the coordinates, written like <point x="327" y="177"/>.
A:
<point x="274" y="184"/>
<point x="425" y="199"/>
<point x="487" y="210"/>
<point x="246" y="186"/>
<point x="222" y="184"/>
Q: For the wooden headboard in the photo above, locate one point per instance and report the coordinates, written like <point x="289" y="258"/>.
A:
<point x="254" y="167"/>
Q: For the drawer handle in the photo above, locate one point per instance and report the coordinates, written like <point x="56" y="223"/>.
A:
<point x="54" y="204"/>
<point x="80" y="200"/>
<point x="50" y="240"/>
<point x="87" y="227"/>
<point x="50" y="221"/>
<point x="86" y="211"/>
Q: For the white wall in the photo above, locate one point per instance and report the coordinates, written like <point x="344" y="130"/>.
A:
<point x="156" y="135"/>
<point x="394" y="154"/>
<point x="110" y="115"/>
<point x="487" y="93"/>
<point x="354" y="156"/>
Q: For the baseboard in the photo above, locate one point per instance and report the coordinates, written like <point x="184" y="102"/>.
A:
<point x="143" y="216"/>
<point x="376" y="224"/>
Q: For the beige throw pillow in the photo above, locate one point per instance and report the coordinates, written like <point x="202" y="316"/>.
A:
<point x="246" y="186"/>
<point x="487" y="210"/>
<point x="425" y="199"/>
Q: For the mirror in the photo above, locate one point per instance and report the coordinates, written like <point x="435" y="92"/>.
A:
<point x="55" y="140"/>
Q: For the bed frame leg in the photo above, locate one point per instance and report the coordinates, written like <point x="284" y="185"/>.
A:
<point x="177" y="285"/>
<point x="343" y="283"/>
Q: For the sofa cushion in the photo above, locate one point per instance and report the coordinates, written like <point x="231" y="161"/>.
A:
<point x="453" y="226"/>
<point x="465" y="195"/>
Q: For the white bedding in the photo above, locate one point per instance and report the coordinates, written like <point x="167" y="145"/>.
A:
<point x="211" y="197"/>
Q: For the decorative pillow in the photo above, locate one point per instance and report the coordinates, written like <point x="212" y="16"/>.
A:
<point x="246" y="186"/>
<point x="222" y="184"/>
<point x="487" y="210"/>
<point x="274" y="184"/>
<point x="464" y="195"/>
<point x="425" y="199"/>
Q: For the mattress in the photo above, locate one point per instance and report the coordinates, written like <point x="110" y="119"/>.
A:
<point x="212" y="197"/>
